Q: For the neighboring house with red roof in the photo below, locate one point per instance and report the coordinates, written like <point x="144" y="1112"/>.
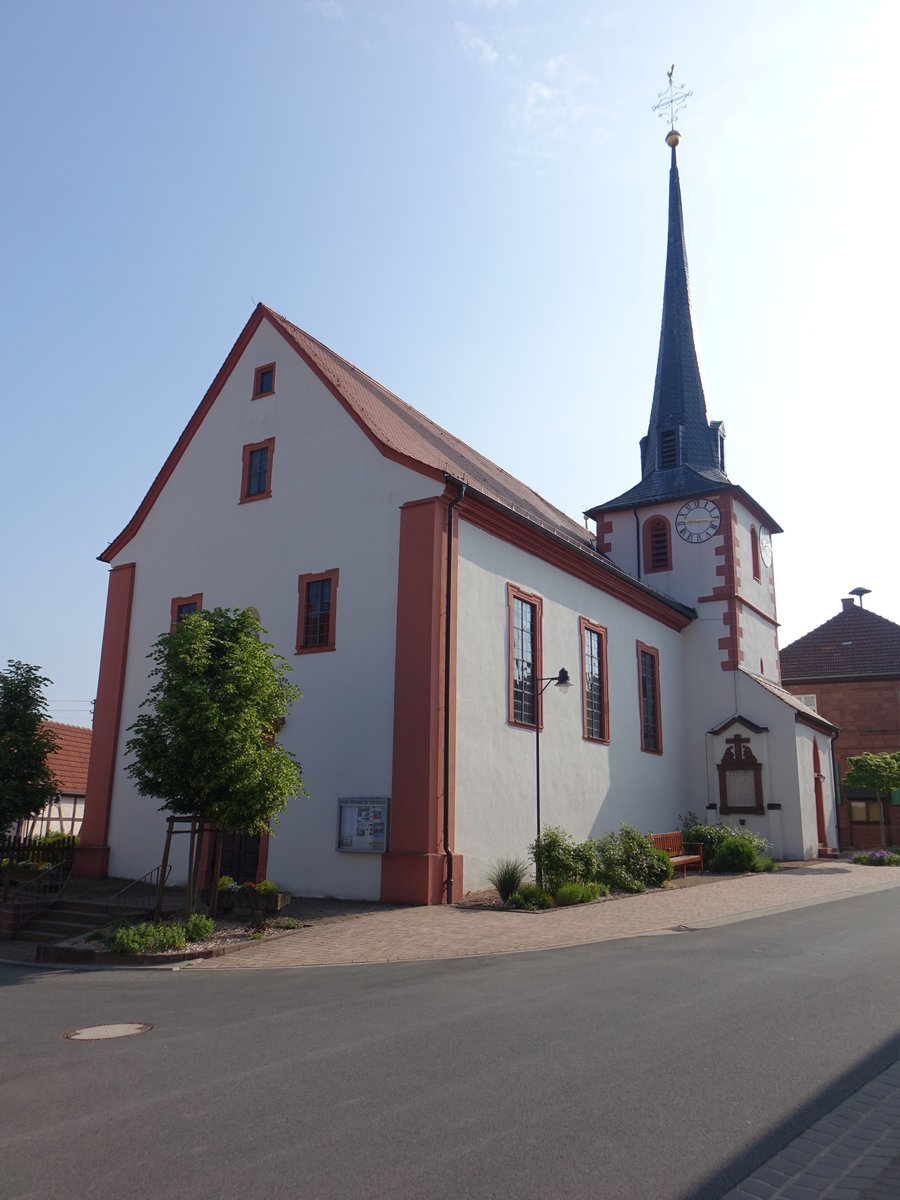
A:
<point x="426" y="597"/>
<point x="848" y="670"/>
<point x="69" y="763"/>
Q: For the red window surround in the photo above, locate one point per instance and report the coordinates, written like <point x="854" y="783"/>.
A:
<point x="648" y="697"/>
<point x="594" y="682"/>
<point x="182" y="606"/>
<point x="657" y="542"/>
<point x="524" y="657"/>
<point x="317" y="611"/>
<point x="264" y="381"/>
<point x="754" y="552"/>
<point x="248" y="480"/>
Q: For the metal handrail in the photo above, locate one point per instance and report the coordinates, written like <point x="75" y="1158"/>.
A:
<point x="30" y="899"/>
<point x="150" y="880"/>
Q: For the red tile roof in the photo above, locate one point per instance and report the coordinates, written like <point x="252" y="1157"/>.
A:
<point x="70" y="758"/>
<point x="855" y="643"/>
<point x="400" y="428"/>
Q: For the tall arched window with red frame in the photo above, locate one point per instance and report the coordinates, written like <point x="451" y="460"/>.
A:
<point x="657" y="542"/>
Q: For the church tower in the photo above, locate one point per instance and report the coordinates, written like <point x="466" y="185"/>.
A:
<point x="685" y="529"/>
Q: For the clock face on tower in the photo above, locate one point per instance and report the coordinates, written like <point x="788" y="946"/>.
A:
<point x="765" y="546"/>
<point x="698" y="520"/>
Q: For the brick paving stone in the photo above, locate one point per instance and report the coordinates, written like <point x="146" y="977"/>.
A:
<point x="799" y="1191"/>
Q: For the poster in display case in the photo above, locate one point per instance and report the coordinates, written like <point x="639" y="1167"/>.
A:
<point x="363" y="824"/>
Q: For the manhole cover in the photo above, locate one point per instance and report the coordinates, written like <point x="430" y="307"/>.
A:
<point x="98" y="1033"/>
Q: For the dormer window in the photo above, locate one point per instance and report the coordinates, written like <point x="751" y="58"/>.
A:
<point x="668" y="448"/>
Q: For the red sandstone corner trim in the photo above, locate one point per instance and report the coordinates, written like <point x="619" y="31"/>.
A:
<point x="107" y="717"/>
<point x="413" y="869"/>
<point x="604" y="527"/>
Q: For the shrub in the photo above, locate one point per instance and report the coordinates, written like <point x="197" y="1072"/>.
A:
<point x="146" y="938"/>
<point x="55" y="837"/>
<point x="506" y="876"/>
<point x="580" y="893"/>
<point x="735" y="855"/>
<point x="266" y="887"/>
<point x="198" y="928"/>
<point x="559" y="860"/>
<point x="713" y="837"/>
<point x="630" y="862"/>
<point x="226" y="883"/>
<point x="659" y="868"/>
<point x="764" y="863"/>
<point x="531" y="897"/>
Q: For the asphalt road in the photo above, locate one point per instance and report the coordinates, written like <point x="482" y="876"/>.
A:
<point x="666" y="1067"/>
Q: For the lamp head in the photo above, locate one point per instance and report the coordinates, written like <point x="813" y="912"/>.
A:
<point x="563" y="682"/>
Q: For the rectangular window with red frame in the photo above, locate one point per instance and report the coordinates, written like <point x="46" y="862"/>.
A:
<point x="183" y="606"/>
<point x="525" y="613"/>
<point x="317" y="611"/>
<point x="264" y="381"/>
<point x="648" y="684"/>
<point x="594" y="681"/>
<point x="256" y="474"/>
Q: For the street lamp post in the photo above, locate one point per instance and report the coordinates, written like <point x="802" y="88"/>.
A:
<point x="563" y="682"/>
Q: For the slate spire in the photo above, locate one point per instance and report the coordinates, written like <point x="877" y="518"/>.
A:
<point x="683" y="452"/>
<point x="679" y="433"/>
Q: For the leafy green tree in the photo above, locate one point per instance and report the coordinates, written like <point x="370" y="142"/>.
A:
<point x="205" y="745"/>
<point x="880" y="773"/>
<point x="27" y="782"/>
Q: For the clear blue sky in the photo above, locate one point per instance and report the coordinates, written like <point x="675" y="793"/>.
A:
<point x="467" y="198"/>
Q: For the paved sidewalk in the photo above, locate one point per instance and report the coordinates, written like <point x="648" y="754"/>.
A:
<point x="851" y="1154"/>
<point x="439" y="932"/>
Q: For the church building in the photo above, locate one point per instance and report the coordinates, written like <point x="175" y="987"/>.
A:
<point x="432" y="604"/>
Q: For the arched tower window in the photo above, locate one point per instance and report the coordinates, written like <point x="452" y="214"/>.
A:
<point x="754" y="551"/>
<point x="657" y="538"/>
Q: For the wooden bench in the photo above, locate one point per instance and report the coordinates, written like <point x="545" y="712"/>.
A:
<point x="675" y="848"/>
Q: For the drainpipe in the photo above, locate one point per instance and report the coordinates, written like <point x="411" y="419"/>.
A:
<point x="448" y="853"/>
<point x="637" y="540"/>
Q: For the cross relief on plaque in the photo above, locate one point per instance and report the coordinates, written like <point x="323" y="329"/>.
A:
<point x="740" y="778"/>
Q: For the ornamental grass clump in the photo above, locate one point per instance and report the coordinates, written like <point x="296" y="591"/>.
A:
<point x="507" y="876"/>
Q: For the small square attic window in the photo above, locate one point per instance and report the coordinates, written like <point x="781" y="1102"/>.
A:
<point x="264" y="380"/>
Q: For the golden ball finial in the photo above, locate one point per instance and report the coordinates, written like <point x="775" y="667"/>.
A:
<point x="673" y="137"/>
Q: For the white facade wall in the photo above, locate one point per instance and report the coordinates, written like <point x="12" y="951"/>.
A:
<point x="588" y="788"/>
<point x="335" y="503"/>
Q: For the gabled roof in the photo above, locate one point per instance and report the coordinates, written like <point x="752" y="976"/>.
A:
<point x="69" y="760"/>
<point x="857" y="642"/>
<point x="400" y="431"/>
